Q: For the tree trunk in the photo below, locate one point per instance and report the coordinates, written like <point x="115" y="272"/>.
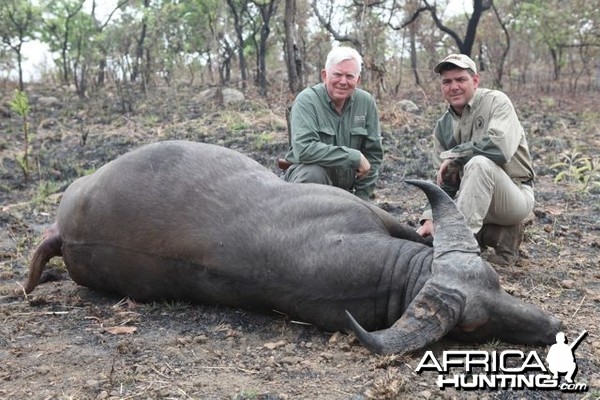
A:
<point x="238" y="26"/>
<point x="556" y="59"/>
<point x="20" y="67"/>
<point x="413" y="53"/>
<point x="139" y="52"/>
<point x="293" y="60"/>
<point x="267" y="10"/>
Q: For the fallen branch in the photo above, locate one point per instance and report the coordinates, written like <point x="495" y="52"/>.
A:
<point x="40" y="313"/>
<point x="229" y="368"/>
<point x="578" y="307"/>
<point x="16" y="205"/>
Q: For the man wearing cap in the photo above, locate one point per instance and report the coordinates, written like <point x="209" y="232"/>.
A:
<point x="482" y="160"/>
<point x="335" y="133"/>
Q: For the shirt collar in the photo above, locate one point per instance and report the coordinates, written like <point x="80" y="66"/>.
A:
<point x="326" y="97"/>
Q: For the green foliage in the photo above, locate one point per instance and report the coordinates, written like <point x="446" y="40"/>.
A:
<point x="559" y="25"/>
<point x="247" y="394"/>
<point x="263" y="140"/>
<point x="234" y="121"/>
<point x="82" y="171"/>
<point x="578" y="168"/>
<point x="544" y="17"/>
<point x="19" y="21"/>
<point x="210" y="40"/>
<point x="22" y="160"/>
<point x="20" y="105"/>
<point x="44" y="190"/>
<point x="75" y="36"/>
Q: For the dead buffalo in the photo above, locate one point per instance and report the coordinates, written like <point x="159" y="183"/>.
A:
<point x="183" y="220"/>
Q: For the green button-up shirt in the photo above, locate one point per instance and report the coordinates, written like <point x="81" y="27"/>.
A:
<point x="320" y="135"/>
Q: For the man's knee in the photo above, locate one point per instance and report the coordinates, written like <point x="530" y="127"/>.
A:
<point x="479" y="165"/>
<point x="307" y="173"/>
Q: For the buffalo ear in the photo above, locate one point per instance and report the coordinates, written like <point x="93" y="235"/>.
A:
<point x="430" y="316"/>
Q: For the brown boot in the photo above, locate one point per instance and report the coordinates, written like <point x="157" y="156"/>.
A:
<point x="504" y="239"/>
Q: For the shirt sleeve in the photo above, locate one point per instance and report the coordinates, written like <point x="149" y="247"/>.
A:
<point x="501" y="140"/>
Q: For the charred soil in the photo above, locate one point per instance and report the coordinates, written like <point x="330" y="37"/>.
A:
<point x="64" y="341"/>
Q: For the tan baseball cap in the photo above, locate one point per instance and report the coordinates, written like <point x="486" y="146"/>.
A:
<point x="460" y="60"/>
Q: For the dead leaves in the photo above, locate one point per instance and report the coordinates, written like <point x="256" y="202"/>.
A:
<point x="120" y="320"/>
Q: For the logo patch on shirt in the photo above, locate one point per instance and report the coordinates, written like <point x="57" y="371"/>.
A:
<point x="359" y="119"/>
<point x="479" y="122"/>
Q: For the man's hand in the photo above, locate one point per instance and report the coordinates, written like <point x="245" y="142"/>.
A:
<point x="448" y="173"/>
<point x="426" y="229"/>
<point x="363" y="168"/>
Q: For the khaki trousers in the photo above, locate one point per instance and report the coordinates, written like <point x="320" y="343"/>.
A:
<point x="487" y="195"/>
<point x="312" y="173"/>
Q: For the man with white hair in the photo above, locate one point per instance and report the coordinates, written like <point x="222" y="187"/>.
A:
<point x="482" y="158"/>
<point x="335" y="133"/>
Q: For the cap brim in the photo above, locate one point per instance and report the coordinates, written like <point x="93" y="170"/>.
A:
<point x="459" y="64"/>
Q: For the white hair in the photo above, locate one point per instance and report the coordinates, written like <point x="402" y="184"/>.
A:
<point x="343" y="53"/>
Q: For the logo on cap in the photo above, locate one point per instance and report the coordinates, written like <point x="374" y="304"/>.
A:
<point x="460" y="60"/>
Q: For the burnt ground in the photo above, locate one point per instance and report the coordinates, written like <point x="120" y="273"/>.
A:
<point x="64" y="341"/>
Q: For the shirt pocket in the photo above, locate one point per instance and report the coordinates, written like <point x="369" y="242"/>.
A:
<point x="358" y="135"/>
<point x="327" y="135"/>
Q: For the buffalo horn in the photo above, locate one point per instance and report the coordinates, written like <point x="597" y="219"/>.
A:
<point x="451" y="230"/>
<point x="428" y="318"/>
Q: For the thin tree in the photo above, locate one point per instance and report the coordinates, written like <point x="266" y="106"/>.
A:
<point x="293" y="58"/>
<point x="57" y="30"/>
<point x="139" y="48"/>
<point x="326" y="22"/>
<point x="411" y="10"/>
<point x="506" y="48"/>
<point x="465" y="45"/>
<point x="239" y="12"/>
<point x="267" y="9"/>
<point x="19" y="22"/>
